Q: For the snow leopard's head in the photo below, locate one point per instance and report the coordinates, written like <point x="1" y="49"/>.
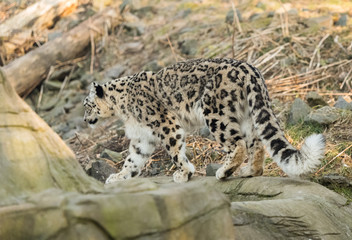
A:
<point x="95" y="104"/>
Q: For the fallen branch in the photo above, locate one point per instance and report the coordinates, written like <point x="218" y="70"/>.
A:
<point x="22" y="29"/>
<point x="26" y="72"/>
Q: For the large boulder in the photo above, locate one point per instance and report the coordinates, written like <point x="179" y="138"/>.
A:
<point x="134" y="209"/>
<point x="283" y="208"/>
<point x="33" y="157"/>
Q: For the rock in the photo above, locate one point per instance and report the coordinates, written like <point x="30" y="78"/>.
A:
<point x="69" y="134"/>
<point x="314" y="99"/>
<point x="145" y="11"/>
<point x="182" y="14"/>
<point x="33" y="157"/>
<point x="101" y="170"/>
<point x="342" y="21"/>
<point x="111" y="155"/>
<point x="115" y="71"/>
<point x="134" y="29"/>
<point x="133" y="209"/>
<point x="325" y="22"/>
<point x="271" y="14"/>
<point x="256" y="16"/>
<point x="299" y="110"/>
<point x="343" y="104"/>
<point x="131" y="47"/>
<point x="61" y="128"/>
<point x="230" y="15"/>
<point x="120" y="132"/>
<point x="75" y="85"/>
<point x="69" y="105"/>
<point x="283" y="208"/>
<point x="325" y="115"/>
<point x="333" y="179"/>
<point x="292" y="12"/>
<point x="152" y="66"/>
<point x="205" y="132"/>
<point x="261" y="5"/>
<point x="54" y="34"/>
<point x="212" y="168"/>
<point x="188" y="46"/>
<point x="287" y="209"/>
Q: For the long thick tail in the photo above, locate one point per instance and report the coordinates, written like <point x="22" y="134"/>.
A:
<point x="292" y="161"/>
<point x="307" y="159"/>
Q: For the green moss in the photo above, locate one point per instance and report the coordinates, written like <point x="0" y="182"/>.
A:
<point x="345" y="191"/>
<point x="257" y="24"/>
<point x="302" y="130"/>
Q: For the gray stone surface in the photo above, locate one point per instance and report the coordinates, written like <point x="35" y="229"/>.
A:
<point x="115" y="71"/>
<point x="133" y="209"/>
<point x="314" y="99"/>
<point x="343" y="104"/>
<point x="342" y="21"/>
<point x="111" y="155"/>
<point x="212" y="168"/>
<point x="269" y="208"/>
<point x="324" y="22"/>
<point x="325" y="115"/>
<point x="299" y="110"/>
<point x="152" y="66"/>
<point x="101" y="170"/>
<point x="188" y="46"/>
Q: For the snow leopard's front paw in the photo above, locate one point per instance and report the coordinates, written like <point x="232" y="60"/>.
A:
<point x="181" y="176"/>
<point x="184" y="174"/>
<point x="123" y="175"/>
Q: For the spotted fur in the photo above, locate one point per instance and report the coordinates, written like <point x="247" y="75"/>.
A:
<point x="228" y="96"/>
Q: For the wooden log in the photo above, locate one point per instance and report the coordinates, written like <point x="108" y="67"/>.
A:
<point x="26" y="72"/>
<point x="18" y="31"/>
<point x="32" y="156"/>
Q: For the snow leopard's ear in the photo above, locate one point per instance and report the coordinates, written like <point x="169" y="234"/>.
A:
<point x="99" y="91"/>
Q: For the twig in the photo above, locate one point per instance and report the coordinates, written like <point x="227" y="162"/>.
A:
<point x="235" y="22"/>
<point x="235" y="16"/>
<point x="269" y="55"/>
<point x="51" y="70"/>
<point x="317" y="49"/>
<point x="336" y="40"/>
<point x="271" y="66"/>
<point x="172" y="48"/>
<point x="2" y="60"/>
<point x="72" y="61"/>
<point x="322" y="168"/>
<point x="347" y="78"/>
<point x="66" y="80"/>
<point x="92" y="45"/>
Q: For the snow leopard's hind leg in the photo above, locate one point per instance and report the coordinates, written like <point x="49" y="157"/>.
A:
<point x="231" y="138"/>
<point x="256" y="156"/>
